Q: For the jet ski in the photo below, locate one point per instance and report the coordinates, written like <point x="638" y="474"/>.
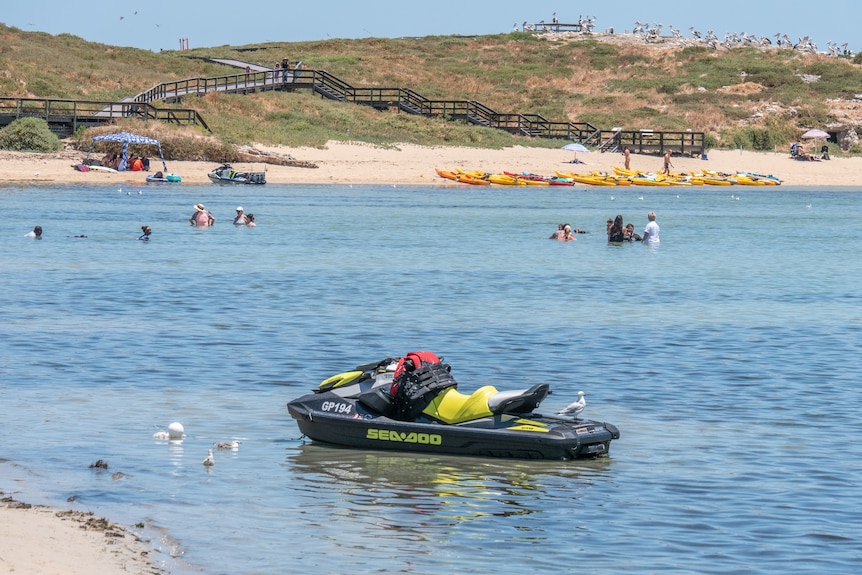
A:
<point x="412" y="403"/>
<point x="226" y="174"/>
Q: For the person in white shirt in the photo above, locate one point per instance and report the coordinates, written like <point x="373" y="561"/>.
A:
<point x="650" y="236"/>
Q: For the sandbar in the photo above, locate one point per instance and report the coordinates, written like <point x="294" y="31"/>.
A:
<point x="409" y="164"/>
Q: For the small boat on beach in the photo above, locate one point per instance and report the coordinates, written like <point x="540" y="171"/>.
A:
<point x="226" y="174"/>
<point x="162" y="178"/>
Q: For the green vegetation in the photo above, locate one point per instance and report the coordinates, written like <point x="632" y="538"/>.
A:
<point x="29" y="135"/>
<point x="628" y="84"/>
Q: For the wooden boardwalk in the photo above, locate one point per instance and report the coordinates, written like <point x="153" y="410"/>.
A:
<point x="261" y="79"/>
<point x="64" y="117"/>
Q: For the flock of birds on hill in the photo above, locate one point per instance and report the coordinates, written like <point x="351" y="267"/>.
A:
<point x="652" y="33"/>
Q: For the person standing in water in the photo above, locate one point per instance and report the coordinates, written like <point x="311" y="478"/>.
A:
<point x="202" y="217"/>
<point x="241" y="219"/>
<point x="36" y="233"/>
<point x="650" y="237"/>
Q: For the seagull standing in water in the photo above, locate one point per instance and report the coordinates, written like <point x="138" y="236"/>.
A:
<point x="574" y="409"/>
<point x="209" y="461"/>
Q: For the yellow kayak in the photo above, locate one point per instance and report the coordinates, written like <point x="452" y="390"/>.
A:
<point x="642" y="181"/>
<point x="589" y="179"/>
<point x="502" y="180"/>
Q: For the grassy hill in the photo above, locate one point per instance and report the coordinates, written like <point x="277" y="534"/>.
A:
<point x="744" y="97"/>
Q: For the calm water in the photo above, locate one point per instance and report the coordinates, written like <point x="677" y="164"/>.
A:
<point x="729" y="357"/>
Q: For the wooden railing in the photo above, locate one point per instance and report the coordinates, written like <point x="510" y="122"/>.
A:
<point x="404" y="99"/>
<point x="65" y="116"/>
<point x="652" y="142"/>
<point x="334" y="88"/>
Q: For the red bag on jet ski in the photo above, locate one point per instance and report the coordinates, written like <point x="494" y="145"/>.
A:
<point x="410" y="362"/>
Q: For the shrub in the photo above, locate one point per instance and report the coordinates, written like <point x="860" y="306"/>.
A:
<point x="766" y="139"/>
<point x="29" y="135"/>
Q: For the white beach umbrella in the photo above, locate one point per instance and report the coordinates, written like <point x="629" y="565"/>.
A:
<point x="815" y="134"/>
<point x="576" y="147"/>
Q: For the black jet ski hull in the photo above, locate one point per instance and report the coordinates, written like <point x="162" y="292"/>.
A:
<point x="330" y="418"/>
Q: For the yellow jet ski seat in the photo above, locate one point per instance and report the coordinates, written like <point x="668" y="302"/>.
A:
<point x="451" y="406"/>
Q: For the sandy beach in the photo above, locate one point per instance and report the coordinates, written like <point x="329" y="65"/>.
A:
<point x="359" y="163"/>
<point x="42" y="541"/>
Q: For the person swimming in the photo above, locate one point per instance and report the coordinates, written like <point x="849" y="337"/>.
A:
<point x="146" y="235"/>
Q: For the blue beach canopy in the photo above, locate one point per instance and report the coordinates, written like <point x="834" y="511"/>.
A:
<point x="127" y="138"/>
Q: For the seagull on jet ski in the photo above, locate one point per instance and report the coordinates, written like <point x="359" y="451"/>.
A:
<point x="575" y="408"/>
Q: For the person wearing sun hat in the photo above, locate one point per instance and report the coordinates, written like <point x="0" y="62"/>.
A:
<point x="202" y="217"/>
<point x="241" y="219"/>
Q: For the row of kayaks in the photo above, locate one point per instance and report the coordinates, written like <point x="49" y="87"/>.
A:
<point x="620" y="177"/>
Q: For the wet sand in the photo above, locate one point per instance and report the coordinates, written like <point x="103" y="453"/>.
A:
<point x="44" y="541"/>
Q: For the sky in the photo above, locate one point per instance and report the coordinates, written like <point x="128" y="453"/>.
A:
<point x="160" y="24"/>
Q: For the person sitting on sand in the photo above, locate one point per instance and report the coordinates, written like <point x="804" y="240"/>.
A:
<point x="111" y="161"/>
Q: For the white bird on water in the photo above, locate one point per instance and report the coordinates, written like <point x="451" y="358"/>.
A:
<point x="575" y="408"/>
<point x="209" y="461"/>
<point x="174" y="433"/>
<point x="232" y="445"/>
